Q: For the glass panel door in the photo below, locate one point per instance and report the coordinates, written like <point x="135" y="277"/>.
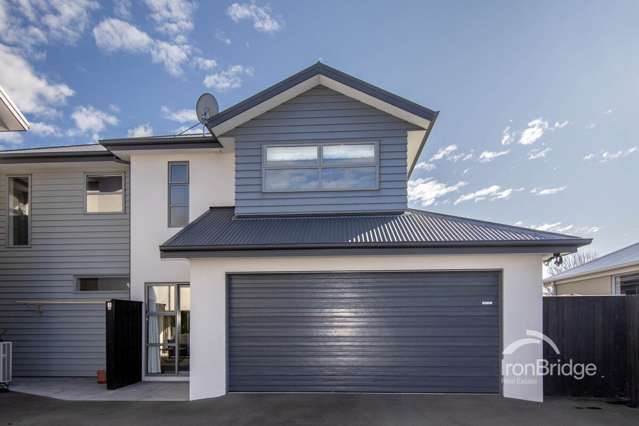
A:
<point x="167" y="328"/>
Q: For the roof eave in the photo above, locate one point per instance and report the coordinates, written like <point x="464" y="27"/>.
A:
<point x="520" y="247"/>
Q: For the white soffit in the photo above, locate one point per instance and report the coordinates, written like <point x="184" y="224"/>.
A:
<point x="11" y="119"/>
<point x="306" y="85"/>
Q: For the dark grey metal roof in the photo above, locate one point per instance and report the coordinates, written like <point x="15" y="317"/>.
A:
<point x="87" y="152"/>
<point x="162" y="142"/>
<point x="219" y="230"/>
<point x="329" y="72"/>
<point x="625" y="257"/>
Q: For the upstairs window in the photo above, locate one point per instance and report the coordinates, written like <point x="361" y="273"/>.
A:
<point x="321" y="167"/>
<point x="102" y="283"/>
<point x="19" y="211"/>
<point x="105" y="193"/>
<point x="178" y="195"/>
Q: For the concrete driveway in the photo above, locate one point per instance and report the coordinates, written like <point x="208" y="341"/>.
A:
<point x="315" y="409"/>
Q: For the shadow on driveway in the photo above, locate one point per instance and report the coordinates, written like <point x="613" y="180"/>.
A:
<point x="315" y="409"/>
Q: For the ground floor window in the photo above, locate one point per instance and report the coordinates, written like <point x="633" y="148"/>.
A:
<point x="168" y="324"/>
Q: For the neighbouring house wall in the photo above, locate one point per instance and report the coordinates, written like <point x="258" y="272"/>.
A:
<point x="599" y="286"/>
<point x="521" y="305"/>
<point x="321" y="115"/>
<point x="64" y="339"/>
<point x="211" y="184"/>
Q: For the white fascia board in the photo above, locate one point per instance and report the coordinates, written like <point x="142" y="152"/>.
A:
<point x="11" y="119"/>
<point x="265" y="106"/>
<point x="306" y="85"/>
<point x="374" y="102"/>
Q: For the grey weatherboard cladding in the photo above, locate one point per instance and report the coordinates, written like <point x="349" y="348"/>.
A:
<point x="364" y="332"/>
<point x="321" y="115"/>
<point x="218" y="230"/>
<point x="64" y="339"/>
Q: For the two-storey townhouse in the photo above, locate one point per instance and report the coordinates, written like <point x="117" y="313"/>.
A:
<point x="279" y="254"/>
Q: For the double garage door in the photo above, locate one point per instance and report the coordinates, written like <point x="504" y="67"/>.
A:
<point x="364" y="332"/>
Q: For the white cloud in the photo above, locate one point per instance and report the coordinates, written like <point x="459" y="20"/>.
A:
<point x="426" y="192"/>
<point x="32" y="93"/>
<point x="89" y="120"/>
<point x="535" y="154"/>
<point x="591" y="126"/>
<point x="548" y="191"/>
<point x="561" y="228"/>
<point x="609" y="156"/>
<point x="491" y="193"/>
<point x="444" y="152"/>
<point x="561" y="125"/>
<point x="11" y="137"/>
<point x="487" y="156"/>
<point x="230" y="78"/>
<point x="262" y="17"/>
<point x="180" y="116"/>
<point x="44" y="129"/>
<point x="143" y="129"/>
<point x="222" y="37"/>
<point x="172" y="17"/>
<point x="114" y="35"/>
<point x="429" y="167"/>
<point x="204" y="64"/>
<point x="122" y="8"/>
<point x="33" y="22"/>
<point x="605" y="156"/>
<point x="608" y="111"/>
<point x="533" y="132"/>
<point x="507" y="136"/>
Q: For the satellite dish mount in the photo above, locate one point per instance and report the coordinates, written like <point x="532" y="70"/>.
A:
<point x="205" y="108"/>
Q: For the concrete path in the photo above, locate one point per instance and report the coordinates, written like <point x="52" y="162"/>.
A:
<point x="315" y="409"/>
<point x="86" y="389"/>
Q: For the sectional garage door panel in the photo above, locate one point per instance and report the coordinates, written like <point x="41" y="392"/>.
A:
<point x="364" y="332"/>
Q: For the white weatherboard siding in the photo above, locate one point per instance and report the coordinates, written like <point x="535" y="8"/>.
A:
<point x="211" y="184"/>
<point x="521" y="304"/>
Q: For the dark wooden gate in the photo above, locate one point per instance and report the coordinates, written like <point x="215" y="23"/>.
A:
<point x="594" y="329"/>
<point x="123" y="343"/>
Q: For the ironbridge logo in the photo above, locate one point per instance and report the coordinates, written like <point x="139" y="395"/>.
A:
<point x="527" y="373"/>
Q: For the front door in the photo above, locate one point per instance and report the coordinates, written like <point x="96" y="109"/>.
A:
<point x="168" y="324"/>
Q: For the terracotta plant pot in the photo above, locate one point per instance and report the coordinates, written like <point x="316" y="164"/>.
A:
<point x="101" y="377"/>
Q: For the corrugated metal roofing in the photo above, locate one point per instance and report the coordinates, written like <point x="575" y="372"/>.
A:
<point x="218" y="229"/>
<point x="624" y="257"/>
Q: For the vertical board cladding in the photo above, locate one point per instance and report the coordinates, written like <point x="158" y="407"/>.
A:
<point x="65" y="339"/>
<point x="324" y="116"/>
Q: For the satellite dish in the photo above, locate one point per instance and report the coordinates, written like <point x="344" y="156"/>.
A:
<point x="206" y="107"/>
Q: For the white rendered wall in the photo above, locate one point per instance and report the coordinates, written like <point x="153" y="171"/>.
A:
<point x="211" y="184"/>
<point x="521" y="305"/>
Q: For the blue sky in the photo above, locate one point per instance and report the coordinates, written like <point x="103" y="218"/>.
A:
<point x="538" y="100"/>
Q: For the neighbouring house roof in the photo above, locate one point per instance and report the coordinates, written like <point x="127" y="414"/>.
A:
<point x="11" y="119"/>
<point x="625" y="257"/>
<point x="321" y="74"/>
<point x="219" y="232"/>
<point x="88" y="152"/>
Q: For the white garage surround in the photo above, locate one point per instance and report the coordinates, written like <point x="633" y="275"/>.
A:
<point x="521" y="305"/>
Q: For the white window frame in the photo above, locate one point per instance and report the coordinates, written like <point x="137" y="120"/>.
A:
<point x="87" y="175"/>
<point x="9" y="227"/>
<point x="320" y="166"/>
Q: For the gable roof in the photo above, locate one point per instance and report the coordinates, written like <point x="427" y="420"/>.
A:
<point x="621" y="258"/>
<point x="218" y="231"/>
<point x="321" y="74"/>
